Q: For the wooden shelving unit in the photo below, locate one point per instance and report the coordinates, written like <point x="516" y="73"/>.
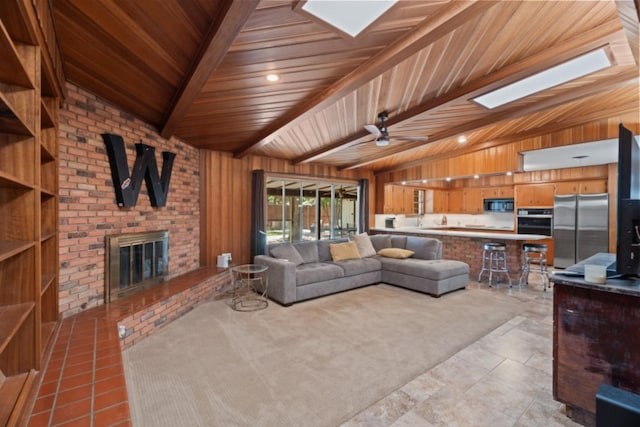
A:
<point x="28" y="200"/>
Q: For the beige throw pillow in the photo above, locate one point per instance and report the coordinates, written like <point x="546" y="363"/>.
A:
<point x="365" y="247"/>
<point x="395" y="253"/>
<point x="344" y="251"/>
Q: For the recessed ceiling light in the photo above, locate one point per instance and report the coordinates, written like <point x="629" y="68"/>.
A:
<point x="448" y="179"/>
<point x="462" y="139"/>
<point x="509" y="173"/>
<point x="404" y="182"/>
<point x="350" y="17"/>
<point x="554" y="76"/>
<point x="476" y="176"/>
<point x="424" y="181"/>
<point x="273" y="77"/>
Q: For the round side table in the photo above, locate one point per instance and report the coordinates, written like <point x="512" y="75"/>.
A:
<point x="250" y="285"/>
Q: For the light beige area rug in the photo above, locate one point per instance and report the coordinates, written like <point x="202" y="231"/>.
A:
<point x="316" y="363"/>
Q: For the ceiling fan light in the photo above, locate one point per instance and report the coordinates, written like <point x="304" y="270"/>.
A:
<point x="382" y="142"/>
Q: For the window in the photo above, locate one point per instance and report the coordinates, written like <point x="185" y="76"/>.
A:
<point x="299" y="209"/>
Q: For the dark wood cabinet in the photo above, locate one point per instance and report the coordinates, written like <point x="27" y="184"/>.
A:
<point x="595" y="341"/>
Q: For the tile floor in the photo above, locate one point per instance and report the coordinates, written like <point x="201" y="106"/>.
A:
<point x="503" y="379"/>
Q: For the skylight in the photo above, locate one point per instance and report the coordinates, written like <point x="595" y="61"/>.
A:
<point x="349" y="16"/>
<point x="562" y="73"/>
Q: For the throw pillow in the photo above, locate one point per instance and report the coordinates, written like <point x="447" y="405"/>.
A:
<point x="365" y="247"/>
<point x="288" y="253"/>
<point x="344" y="251"/>
<point x="395" y="253"/>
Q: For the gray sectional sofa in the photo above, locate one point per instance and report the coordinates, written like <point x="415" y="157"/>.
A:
<point x="305" y="270"/>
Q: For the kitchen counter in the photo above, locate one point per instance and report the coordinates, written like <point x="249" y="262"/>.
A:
<point x="490" y="233"/>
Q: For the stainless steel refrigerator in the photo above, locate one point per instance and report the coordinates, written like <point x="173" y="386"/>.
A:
<point x="580" y="227"/>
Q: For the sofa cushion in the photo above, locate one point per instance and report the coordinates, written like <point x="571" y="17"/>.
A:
<point x="395" y="253"/>
<point x="380" y="241"/>
<point x="308" y="251"/>
<point x="354" y="267"/>
<point x="324" y="254"/>
<point x="287" y="252"/>
<point x="438" y="269"/>
<point x="365" y="247"/>
<point x="424" y="247"/>
<point x="317" y="272"/>
<point x="398" y="241"/>
<point x="343" y="251"/>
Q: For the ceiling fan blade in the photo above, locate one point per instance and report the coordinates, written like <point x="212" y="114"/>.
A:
<point x="412" y="138"/>
<point x="373" y="130"/>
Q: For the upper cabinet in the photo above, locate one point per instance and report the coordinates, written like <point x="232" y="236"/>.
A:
<point x="534" y="195"/>
<point x="399" y="199"/>
<point x="503" y="192"/>
<point x="595" y="186"/>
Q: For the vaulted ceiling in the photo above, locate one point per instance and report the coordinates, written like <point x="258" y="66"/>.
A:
<point x="197" y="70"/>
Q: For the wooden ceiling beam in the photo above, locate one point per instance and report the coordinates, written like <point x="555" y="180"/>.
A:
<point x="629" y="14"/>
<point x="217" y="41"/>
<point x="431" y="30"/>
<point x="623" y="79"/>
<point x="581" y="44"/>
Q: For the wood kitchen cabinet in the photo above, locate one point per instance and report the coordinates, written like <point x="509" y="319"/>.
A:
<point x="505" y="192"/>
<point x="440" y="201"/>
<point x="399" y="199"/>
<point x="596" y="186"/>
<point x="534" y="195"/>
<point x="455" y="201"/>
<point x="472" y="201"/>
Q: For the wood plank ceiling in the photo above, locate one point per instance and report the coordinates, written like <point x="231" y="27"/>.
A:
<point x="196" y="69"/>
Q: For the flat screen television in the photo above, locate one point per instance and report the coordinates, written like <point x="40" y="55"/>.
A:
<point x="628" y="231"/>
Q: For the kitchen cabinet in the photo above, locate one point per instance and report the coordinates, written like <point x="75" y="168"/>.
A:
<point x="399" y="199"/>
<point x="440" y="201"/>
<point x="596" y="186"/>
<point x="534" y="195"/>
<point x="455" y="201"/>
<point x="472" y="202"/>
<point x="504" y="192"/>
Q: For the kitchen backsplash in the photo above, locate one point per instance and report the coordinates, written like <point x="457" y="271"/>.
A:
<point x="489" y="220"/>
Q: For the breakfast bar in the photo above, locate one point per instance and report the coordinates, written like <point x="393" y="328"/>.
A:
<point x="595" y="341"/>
<point x="466" y="245"/>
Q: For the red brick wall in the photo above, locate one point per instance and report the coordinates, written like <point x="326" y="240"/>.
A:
<point x="88" y="210"/>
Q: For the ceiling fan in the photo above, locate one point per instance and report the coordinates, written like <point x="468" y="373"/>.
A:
<point x="381" y="133"/>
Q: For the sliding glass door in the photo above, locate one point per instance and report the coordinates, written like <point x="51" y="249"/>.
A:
<point x="309" y="210"/>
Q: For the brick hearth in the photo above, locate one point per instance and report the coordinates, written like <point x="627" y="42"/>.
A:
<point x="83" y="381"/>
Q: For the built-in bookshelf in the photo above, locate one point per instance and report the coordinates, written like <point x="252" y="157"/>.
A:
<point x="29" y="104"/>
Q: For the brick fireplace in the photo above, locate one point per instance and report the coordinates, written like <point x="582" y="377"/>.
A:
<point x="88" y="210"/>
<point x="135" y="261"/>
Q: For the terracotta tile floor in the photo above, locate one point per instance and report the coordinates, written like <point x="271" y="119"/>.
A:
<point x="83" y="382"/>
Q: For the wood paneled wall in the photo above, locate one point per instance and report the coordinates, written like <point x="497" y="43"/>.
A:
<point x="504" y="158"/>
<point x="225" y="199"/>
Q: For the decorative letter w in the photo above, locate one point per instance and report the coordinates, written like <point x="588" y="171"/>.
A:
<point x="128" y="187"/>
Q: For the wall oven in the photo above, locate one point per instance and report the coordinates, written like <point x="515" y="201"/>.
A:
<point x="535" y="221"/>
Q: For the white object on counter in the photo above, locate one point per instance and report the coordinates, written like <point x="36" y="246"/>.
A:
<point x="595" y="273"/>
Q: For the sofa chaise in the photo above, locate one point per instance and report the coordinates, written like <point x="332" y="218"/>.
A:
<point x="308" y="269"/>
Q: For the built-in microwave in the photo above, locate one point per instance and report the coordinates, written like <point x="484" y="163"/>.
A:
<point x="498" y="205"/>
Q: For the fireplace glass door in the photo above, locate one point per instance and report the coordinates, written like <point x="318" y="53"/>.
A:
<point x="135" y="261"/>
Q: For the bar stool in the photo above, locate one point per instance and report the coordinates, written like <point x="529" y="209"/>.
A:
<point x="494" y="260"/>
<point x="534" y="253"/>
